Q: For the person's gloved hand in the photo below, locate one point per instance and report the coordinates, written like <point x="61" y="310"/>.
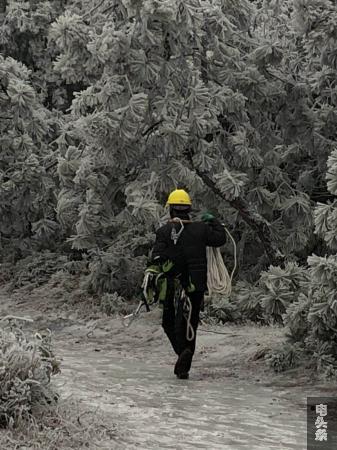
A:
<point x="207" y="217"/>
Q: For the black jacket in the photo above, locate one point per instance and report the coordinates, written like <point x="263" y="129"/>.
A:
<point x="189" y="254"/>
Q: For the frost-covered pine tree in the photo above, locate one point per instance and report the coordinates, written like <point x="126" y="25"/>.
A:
<point x="227" y="98"/>
<point x="188" y="93"/>
<point x="27" y="190"/>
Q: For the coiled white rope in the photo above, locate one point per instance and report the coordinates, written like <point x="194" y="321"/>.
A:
<point x="218" y="279"/>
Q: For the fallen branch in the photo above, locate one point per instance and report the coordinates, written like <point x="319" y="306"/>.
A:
<point x="25" y="319"/>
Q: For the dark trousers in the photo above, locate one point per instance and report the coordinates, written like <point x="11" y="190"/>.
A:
<point x="174" y="322"/>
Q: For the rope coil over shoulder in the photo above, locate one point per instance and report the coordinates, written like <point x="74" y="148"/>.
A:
<point x="218" y="279"/>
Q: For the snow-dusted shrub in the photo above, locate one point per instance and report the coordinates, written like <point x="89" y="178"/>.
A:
<point x="26" y="365"/>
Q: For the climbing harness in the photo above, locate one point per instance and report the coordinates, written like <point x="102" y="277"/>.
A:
<point x="154" y="289"/>
<point x="218" y="279"/>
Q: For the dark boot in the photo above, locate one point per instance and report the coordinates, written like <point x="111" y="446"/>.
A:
<point x="183" y="364"/>
<point x="183" y="376"/>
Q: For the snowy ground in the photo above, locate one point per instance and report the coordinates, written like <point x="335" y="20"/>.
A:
<point x="232" y="401"/>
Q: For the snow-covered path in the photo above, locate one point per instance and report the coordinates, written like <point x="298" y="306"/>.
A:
<point x="154" y="410"/>
<point x="128" y="374"/>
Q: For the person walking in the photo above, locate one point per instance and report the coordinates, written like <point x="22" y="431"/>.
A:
<point x="182" y="243"/>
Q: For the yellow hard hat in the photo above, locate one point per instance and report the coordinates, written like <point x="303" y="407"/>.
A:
<point x="179" y="197"/>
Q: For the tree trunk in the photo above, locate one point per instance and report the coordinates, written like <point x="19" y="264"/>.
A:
<point x="251" y="217"/>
